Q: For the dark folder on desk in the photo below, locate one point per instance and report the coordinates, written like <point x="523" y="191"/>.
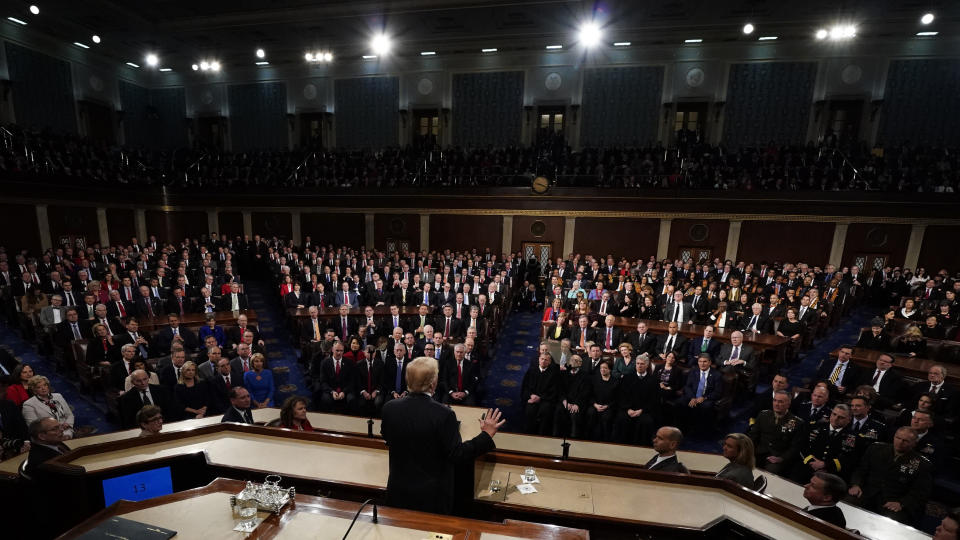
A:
<point x="117" y="527"/>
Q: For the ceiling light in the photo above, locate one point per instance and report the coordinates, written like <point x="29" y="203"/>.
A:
<point x="369" y="56"/>
<point x="215" y="66"/>
<point x="590" y="34"/>
<point x="131" y="64"/>
<point x="204" y="65"/>
<point x="308" y="57"/>
<point x="428" y="53"/>
<point x="766" y="38"/>
<point x="489" y="50"/>
<point x="927" y="18"/>
<point x="81" y="45"/>
<point x="262" y="63"/>
<point x="152" y="60"/>
<point x="554" y="47"/>
<point x="843" y="32"/>
<point x="261" y="53"/>
<point x="16" y="20"/>
<point x="695" y="40"/>
<point x="621" y="44"/>
<point x="927" y="34"/>
<point x="822" y="34"/>
<point x="166" y="69"/>
<point x="380" y="44"/>
<point x="35" y="10"/>
<point x="95" y="38"/>
<point x="328" y="57"/>
<point x="194" y="67"/>
<point x="748" y="28"/>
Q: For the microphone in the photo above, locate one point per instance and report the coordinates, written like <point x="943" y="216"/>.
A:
<point x="370" y="427"/>
<point x="566" y="449"/>
<point x="355" y="516"/>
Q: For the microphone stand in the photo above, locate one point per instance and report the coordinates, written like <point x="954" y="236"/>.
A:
<point x="370" y="427"/>
<point x="566" y="449"/>
<point x="355" y="516"/>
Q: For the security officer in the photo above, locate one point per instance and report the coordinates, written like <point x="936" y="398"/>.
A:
<point x="893" y="479"/>
<point x="774" y="435"/>
<point x="827" y="446"/>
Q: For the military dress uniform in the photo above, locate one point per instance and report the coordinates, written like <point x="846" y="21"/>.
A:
<point x="775" y="437"/>
<point x="835" y="448"/>
<point x="870" y="431"/>
<point x="883" y="477"/>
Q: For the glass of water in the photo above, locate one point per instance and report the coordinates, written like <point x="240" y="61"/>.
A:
<point x="248" y="513"/>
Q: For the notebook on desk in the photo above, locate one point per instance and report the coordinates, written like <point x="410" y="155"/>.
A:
<point x="116" y="528"/>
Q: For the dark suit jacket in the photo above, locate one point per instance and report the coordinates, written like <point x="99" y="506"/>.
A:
<point x="680" y="345"/>
<point x="346" y="382"/>
<point x="671" y="464"/>
<point x="390" y="376"/>
<point x="545" y="384"/>
<point x="113" y="311"/>
<point x="469" y="376"/>
<point x="877" y="343"/>
<point x="891" y="387"/>
<point x="649" y="344"/>
<point x="375" y="376"/>
<point x="713" y="390"/>
<point x="830" y="514"/>
<point x="141" y="308"/>
<point x="746" y="354"/>
<point x="670" y="308"/>
<point x="231" y="415"/>
<point x="226" y="302"/>
<point x="693" y="351"/>
<point x="457" y="328"/>
<point x="39" y="454"/>
<point x="164" y="340"/>
<point x="425" y="445"/>
<point x="336" y="325"/>
<point x="130" y="404"/>
<point x="616" y="335"/>
<point x="764" y="324"/>
<point x="589" y="335"/>
<point x="850" y="375"/>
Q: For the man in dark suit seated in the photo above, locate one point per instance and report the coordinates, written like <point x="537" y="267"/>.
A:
<point x="757" y="321"/>
<point x="234" y="300"/>
<point x="169" y="374"/>
<point x="539" y="392"/>
<point x="147" y="306"/>
<point x="369" y="386"/>
<point x="887" y="382"/>
<point x="738" y="359"/>
<point x="637" y="400"/>
<point x="225" y="376"/>
<point x="673" y="341"/>
<point x="133" y="336"/>
<point x="642" y="340"/>
<point x="842" y="374"/>
<point x="178" y="303"/>
<point x="703" y="344"/>
<point x="874" y="339"/>
<point x="823" y="492"/>
<point x="239" y="410"/>
<point x="395" y="373"/>
<point x="343" y="325"/>
<point x="461" y="378"/>
<point x="581" y="334"/>
<point x="334" y="382"/>
<point x="610" y="336"/>
<point x="944" y="395"/>
<point x="144" y="393"/>
<point x="677" y="310"/>
<point x="425" y="446"/>
<point x="46" y="443"/>
<point x="174" y="333"/>
<point x="665" y="443"/>
<point x="816" y="408"/>
<point x="704" y="387"/>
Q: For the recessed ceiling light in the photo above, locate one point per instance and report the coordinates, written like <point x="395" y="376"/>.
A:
<point x="369" y="56"/>
<point x="428" y="53"/>
<point x="493" y="49"/>
<point x="554" y="47"/>
<point x="35" y="10"/>
<point x="215" y="66"/>
<point x="927" y="18"/>
<point x="16" y="20"/>
<point x="328" y="57"/>
<point x="822" y="34"/>
<point x="204" y="65"/>
<point x="766" y="38"/>
<point x="152" y="60"/>
<point x="81" y="45"/>
<point x="590" y="34"/>
<point x="621" y="44"/>
<point x="843" y="32"/>
<point x="95" y="38"/>
<point x="748" y="28"/>
<point x="261" y="53"/>
<point x="927" y="34"/>
<point x="131" y="64"/>
<point x="380" y="44"/>
<point x="166" y="69"/>
<point x="194" y="67"/>
<point x="695" y="40"/>
<point x="262" y="63"/>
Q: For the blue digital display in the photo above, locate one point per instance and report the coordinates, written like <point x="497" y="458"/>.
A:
<point x="138" y="486"/>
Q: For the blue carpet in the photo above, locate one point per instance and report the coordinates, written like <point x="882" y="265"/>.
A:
<point x="281" y="355"/>
<point x="516" y="346"/>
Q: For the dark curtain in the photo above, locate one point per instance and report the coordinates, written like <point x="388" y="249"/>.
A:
<point x="258" y="115"/>
<point x="42" y="90"/>
<point x="487" y="108"/>
<point x="768" y="101"/>
<point x="366" y="111"/>
<point x="621" y="105"/>
<point x="921" y="103"/>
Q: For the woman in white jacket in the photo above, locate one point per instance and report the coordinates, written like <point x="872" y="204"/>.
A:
<point x="45" y="403"/>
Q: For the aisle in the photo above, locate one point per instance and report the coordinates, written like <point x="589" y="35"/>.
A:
<point x="281" y="355"/>
<point x="516" y="347"/>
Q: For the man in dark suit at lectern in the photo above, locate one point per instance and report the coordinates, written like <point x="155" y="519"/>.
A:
<point x="425" y="444"/>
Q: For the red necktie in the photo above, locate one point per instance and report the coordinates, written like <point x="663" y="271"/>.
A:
<point x="344" y="328"/>
<point x="105" y="347"/>
<point x="337" y="368"/>
<point x="446" y="331"/>
<point x="609" y="338"/>
<point x="123" y="312"/>
<point x="346" y="299"/>
<point x="460" y="376"/>
<point x="228" y="383"/>
<point x="149" y="307"/>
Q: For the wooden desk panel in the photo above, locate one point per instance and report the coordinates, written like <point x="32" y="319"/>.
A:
<point x="196" y="320"/>
<point x="333" y="312"/>
<point x="910" y="366"/>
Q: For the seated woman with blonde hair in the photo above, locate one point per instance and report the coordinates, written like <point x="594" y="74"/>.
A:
<point x="45" y="403"/>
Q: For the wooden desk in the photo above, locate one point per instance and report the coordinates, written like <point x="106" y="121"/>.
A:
<point x="333" y="312"/>
<point x="910" y="366"/>
<point x="760" y="342"/>
<point x="212" y="519"/>
<point x="196" y="320"/>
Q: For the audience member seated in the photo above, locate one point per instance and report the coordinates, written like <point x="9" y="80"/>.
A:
<point x="461" y="378"/>
<point x="259" y="382"/>
<point x="46" y="442"/>
<point x="140" y="364"/>
<point x="239" y="409"/>
<point x="885" y="380"/>
<point x="893" y="479"/>
<point x="775" y="435"/>
<point x="604" y="396"/>
<point x="150" y="420"/>
<point x="738" y="448"/>
<point x="944" y="395"/>
<point x="293" y="414"/>
<point x="174" y="333"/>
<point x="17" y="391"/>
<point x="823" y="492"/>
<point x="842" y="374"/>
<point x="704" y="387"/>
<point x="637" y="405"/>
<point x="211" y="328"/>
<point x="14" y="439"/>
<point x="143" y="393"/>
<point x="539" y="392"/>
<point x="45" y="403"/>
<point x="826" y="447"/>
<point x="665" y="444"/>
<point x="875" y="338"/>
<point x="912" y="343"/>
<point x="192" y="393"/>
<point x="335" y="381"/>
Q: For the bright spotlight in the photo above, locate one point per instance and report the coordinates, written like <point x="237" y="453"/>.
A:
<point x="822" y="34"/>
<point x="35" y="10"/>
<point x="927" y="18"/>
<point x="195" y="67"/>
<point x="204" y="65"/>
<point x="308" y="57"/>
<point x="95" y="38"/>
<point x="380" y="44"/>
<point x="152" y="60"/>
<point x="843" y="32"/>
<point x="328" y="57"/>
<point x="215" y="66"/>
<point x="590" y="34"/>
<point x="261" y="53"/>
<point x="748" y="28"/>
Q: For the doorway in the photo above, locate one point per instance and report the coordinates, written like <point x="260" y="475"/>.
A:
<point x="311" y="130"/>
<point x="210" y="131"/>
<point x="868" y="262"/>
<point x="843" y="123"/>
<point x="98" y="122"/>
<point x="696" y="255"/>
<point x="550" y="123"/>
<point x="689" y="125"/>
<point x="426" y="127"/>
<point x="538" y="250"/>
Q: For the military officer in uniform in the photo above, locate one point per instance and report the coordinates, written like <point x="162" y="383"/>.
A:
<point x="928" y="443"/>
<point x="893" y="479"/>
<point x="827" y="446"/>
<point x="774" y="435"/>
<point x="867" y="428"/>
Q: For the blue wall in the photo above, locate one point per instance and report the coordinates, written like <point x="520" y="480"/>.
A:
<point x="42" y="90"/>
<point x="258" y="116"/>
<point x="768" y="101"/>
<point x="487" y="108"/>
<point x="366" y="111"/>
<point x="921" y="103"/>
<point x="620" y="106"/>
